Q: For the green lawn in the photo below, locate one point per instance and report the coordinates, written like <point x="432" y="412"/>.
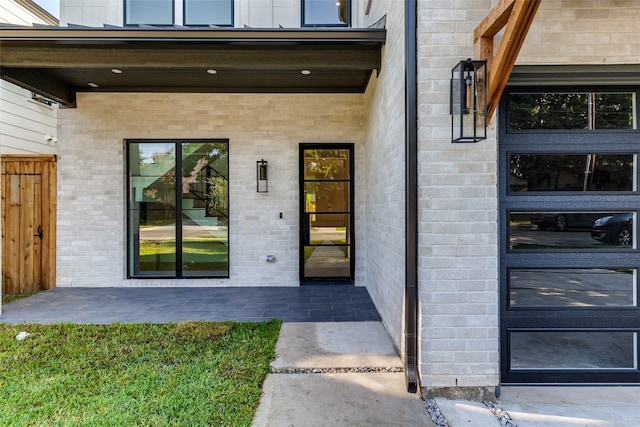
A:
<point x="184" y="374"/>
<point x="7" y="298"/>
<point x="200" y="253"/>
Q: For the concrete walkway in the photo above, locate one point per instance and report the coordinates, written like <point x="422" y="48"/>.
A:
<point x="339" y="375"/>
<point x="550" y="406"/>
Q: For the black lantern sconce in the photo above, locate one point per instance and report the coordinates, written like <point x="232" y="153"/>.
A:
<point x="262" y="177"/>
<point x="469" y="101"/>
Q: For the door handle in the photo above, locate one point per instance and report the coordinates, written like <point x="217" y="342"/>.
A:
<point x="40" y="233"/>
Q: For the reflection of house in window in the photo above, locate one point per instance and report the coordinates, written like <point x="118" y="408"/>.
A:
<point x="575" y="172"/>
<point x="178" y="233"/>
<point x="208" y="188"/>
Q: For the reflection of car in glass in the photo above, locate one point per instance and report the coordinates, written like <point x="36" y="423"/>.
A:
<point x="562" y="221"/>
<point x="615" y="229"/>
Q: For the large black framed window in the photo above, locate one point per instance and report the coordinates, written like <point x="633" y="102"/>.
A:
<point x="208" y="12"/>
<point x="148" y="12"/>
<point x="569" y="253"/>
<point x="326" y="13"/>
<point x="178" y="208"/>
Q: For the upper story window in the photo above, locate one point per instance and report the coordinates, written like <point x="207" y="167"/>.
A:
<point x="148" y="12"/>
<point x="326" y="13"/>
<point x="208" y="12"/>
<point x="575" y="111"/>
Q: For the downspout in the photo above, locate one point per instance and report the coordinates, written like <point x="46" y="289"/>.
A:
<point x="411" y="198"/>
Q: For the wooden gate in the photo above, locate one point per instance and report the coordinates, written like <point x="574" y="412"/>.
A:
<point x="28" y="223"/>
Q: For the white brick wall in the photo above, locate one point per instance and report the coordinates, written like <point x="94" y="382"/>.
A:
<point x="458" y="214"/>
<point x="385" y="176"/>
<point x="458" y="196"/>
<point x="91" y="177"/>
<point x="584" y="32"/>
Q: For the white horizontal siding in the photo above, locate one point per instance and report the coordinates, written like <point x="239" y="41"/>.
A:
<point x="25" y="124"/>
<point x="12" y="13"/>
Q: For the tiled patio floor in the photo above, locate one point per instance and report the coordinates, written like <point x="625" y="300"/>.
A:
<point x="309" y="303"/>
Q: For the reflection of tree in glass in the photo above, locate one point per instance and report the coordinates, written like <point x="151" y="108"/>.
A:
<point x="548" y="111"/>
<point x="580" y="172"/>
<point x="204" y="176"/>
<point x="613" y="111"/>
<point x="326" y="164"/>
<point x="325" y="189"/>
<point x="218" y="198"/>
<point x="570" y="111"/>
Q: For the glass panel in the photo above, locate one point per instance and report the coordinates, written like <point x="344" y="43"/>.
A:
<point x="529" y="111"/>
<point x="151" y="12"/>
<point x="576" y="172"/>
<point x="327" y="196"/>
<point x="152" y="240"/>
<point x="326" y="261"/>
<point x="614" y="110"/>
<point x="321" y="12"/>
<point x="208" y="12"/>
<point x="205" y="209"/>
<point x="330" y="257"/>
<point x="326" y="165"/>
<point x="582" y="230"/>
<point x="548" y="111"/>
<point x="572" y="287"/>
<point x="328" y="229"/>
<point x="573" y="350"/>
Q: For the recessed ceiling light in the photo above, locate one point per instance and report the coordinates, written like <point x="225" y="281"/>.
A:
<point x="212" y="71"/>
<point x="306" y="72"/>
<point x="92" y="84"/>
<point x="116" y="71"/>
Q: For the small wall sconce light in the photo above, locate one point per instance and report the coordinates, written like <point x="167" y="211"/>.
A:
<point x="469" y="101"/>
<point x="262" y="178"/>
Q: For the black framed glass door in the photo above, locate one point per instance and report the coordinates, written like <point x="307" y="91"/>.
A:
<point x="326" y="218"/>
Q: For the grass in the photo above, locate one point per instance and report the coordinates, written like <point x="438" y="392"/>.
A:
<point x="175" y="374"/>
<point x="201" y="253"/>
<point x="7" y="298"/>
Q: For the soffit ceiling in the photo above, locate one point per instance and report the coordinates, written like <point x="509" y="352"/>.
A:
<point x="58" y="62"/>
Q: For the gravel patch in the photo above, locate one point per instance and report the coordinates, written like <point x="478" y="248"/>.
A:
<point x="359" y="370"/>
<point x="503" y="417"/>
<point x="434" y="412"/>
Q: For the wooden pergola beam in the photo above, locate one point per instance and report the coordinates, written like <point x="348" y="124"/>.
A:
<point x="515" y="16"/>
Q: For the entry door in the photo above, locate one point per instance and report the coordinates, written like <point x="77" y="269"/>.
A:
<point x="326" y="218"/>
<point x="26" y="225"/>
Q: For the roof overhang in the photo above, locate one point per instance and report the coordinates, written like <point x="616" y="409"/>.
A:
<point x="58" y="62"/>
<point x="575" y="75"/>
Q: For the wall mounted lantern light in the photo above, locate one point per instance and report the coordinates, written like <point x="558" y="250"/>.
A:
<point x="469" y="101"/>
<point x="262" y="178"/>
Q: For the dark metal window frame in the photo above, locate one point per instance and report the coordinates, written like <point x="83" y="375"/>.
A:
<point x="328" y="146"/>
<point x="302" y="15"/>
<point x="184" y="16"/>
<point x="178" y="207"/>
<point x="173" y="15"/>
<point x="517" y="319"/>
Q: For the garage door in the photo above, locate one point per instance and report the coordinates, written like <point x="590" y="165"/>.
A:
<point x="569" y="205"/>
